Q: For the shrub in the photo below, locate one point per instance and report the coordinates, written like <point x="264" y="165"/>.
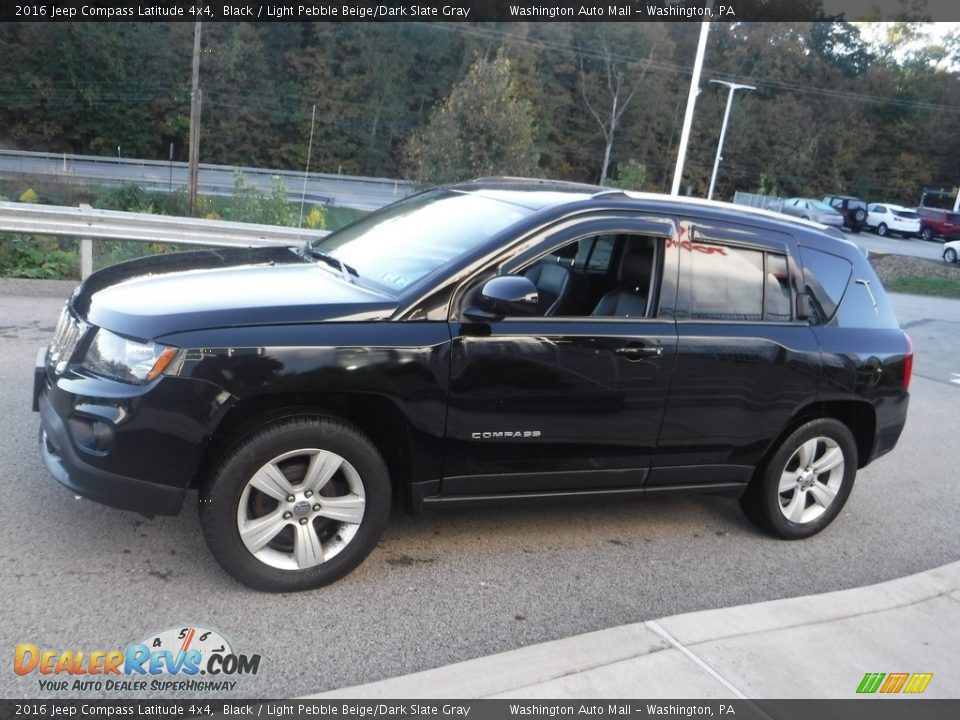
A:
<point x="316" y="219"/>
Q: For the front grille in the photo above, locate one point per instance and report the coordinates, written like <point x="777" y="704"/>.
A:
<point x="65" y="338"/>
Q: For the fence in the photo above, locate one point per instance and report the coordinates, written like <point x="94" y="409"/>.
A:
<point x="87" y="225"/>
<point x="764" y="202"/>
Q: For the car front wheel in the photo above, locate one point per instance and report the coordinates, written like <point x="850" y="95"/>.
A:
<point x="805" y="483"/>
<point x="882" y="229"/>
<point x="926" y="234"/>
<point x="296" y="505"/>
<point x="950" y="255"/>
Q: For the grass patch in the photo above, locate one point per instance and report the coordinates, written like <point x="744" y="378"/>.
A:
<point x="940" y="287"/>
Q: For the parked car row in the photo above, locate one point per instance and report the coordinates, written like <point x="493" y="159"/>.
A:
<point x="882" y="218"/>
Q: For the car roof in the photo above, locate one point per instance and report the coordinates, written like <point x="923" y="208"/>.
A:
<point x="538" y="194"/>
<point x="894" y="206"/>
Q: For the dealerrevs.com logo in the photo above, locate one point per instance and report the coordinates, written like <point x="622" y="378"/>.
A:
<point x="167" y="661"/>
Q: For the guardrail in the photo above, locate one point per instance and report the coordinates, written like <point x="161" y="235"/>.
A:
<point x="362" y="192"/>
<point x="87" y="224"/>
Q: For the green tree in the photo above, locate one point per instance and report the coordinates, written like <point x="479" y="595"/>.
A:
<point x="631" y="175"/>
<point x="485" y="127"/>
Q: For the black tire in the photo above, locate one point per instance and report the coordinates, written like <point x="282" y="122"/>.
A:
<point x="358" y="480"/>
<point x="950" y="255"/>
<point x="927" y="234"/>
<point x="882" y="229"/>
<point x="763" y="502"/>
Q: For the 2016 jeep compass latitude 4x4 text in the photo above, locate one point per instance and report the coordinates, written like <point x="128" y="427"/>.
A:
<point x="495" y="340"/>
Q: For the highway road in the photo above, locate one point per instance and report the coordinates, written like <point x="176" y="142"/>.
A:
<point x="450" y="585"/>
<point x="344" y="190"/>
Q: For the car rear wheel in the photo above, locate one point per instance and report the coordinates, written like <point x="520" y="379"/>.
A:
<point x="926" y="234"/>
<point x="882" y="229"/>
<point x="950" y="255"/>
<point x="296" y="505"/>
<point x="805" y="483"/>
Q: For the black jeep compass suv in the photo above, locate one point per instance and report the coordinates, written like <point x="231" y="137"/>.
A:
<point x="495" y="340"/>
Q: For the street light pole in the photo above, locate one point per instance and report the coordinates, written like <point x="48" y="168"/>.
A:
<point x="723" y="130"/>
<point x="196" y="99"/>
<point x="691" y="103"/>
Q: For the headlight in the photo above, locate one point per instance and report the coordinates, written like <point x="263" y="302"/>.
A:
<point x="127" y="360"/>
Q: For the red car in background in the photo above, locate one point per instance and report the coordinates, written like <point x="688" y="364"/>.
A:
<point x="936" y="222"/>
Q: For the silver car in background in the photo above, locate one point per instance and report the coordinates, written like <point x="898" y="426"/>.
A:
<point x="811" y="209"/>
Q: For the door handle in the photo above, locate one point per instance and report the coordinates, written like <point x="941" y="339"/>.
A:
<point x="639" y="352"/>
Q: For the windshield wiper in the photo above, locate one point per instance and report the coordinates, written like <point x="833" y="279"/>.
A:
<point x="330" y="260"/>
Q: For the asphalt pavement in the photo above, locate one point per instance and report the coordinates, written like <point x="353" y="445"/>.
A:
<point x="896" y="245"/>
<point x="456" y="585"/>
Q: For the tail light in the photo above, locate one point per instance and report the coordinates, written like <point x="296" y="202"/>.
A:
<point x="908" y="363"/>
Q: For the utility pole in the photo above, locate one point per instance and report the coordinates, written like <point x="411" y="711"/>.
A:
<point x="691" y="102"/>
<point x="723" y="128"/>
<point x="196" y="99"/>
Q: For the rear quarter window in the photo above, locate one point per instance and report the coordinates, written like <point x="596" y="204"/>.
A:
<point x="848" y="293"/>
<point x="825" y="279"/>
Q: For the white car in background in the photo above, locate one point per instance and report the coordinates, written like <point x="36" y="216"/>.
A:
<point x="884" y="218"/>
<point x="951" y="251"/>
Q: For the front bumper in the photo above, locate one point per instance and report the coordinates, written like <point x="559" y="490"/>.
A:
<point x="93" y="483"/>
<point x="130" y="447"/>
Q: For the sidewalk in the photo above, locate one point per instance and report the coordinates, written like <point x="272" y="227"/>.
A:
<point x="819" y="646"/>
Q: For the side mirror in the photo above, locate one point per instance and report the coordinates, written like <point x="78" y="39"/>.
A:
<point x="505" y="295"/>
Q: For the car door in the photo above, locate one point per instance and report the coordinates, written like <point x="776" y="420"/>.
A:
<point x="745" y="363"/>
<point x="570" y="402"/>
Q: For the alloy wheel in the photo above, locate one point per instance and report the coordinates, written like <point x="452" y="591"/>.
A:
<point x="811" y="480"/>
<point x="301" y="508"/>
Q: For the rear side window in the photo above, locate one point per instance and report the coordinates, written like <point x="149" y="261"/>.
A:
<point x="726" y="283"/>
<point x="738" y="284"/>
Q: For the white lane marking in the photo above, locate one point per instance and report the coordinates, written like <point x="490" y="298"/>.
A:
<point x="955" y="378"/>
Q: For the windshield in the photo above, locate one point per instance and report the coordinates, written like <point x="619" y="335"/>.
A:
<point x="402" y="243"/>
<point x="822" y="206"/>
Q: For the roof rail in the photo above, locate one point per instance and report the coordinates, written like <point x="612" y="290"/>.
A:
<point x="610" y="193"/>
<point x="514" y="178"/>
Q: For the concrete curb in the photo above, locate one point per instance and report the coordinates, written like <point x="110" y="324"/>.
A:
<point x="812" y="646"/>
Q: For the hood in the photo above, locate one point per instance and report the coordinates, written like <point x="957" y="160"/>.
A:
<point x="152" y="297"/>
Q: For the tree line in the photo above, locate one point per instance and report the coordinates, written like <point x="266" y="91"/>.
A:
<point x="437" y="102"/>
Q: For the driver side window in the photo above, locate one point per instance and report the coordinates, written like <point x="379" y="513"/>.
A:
<point x="608" y="275"/>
